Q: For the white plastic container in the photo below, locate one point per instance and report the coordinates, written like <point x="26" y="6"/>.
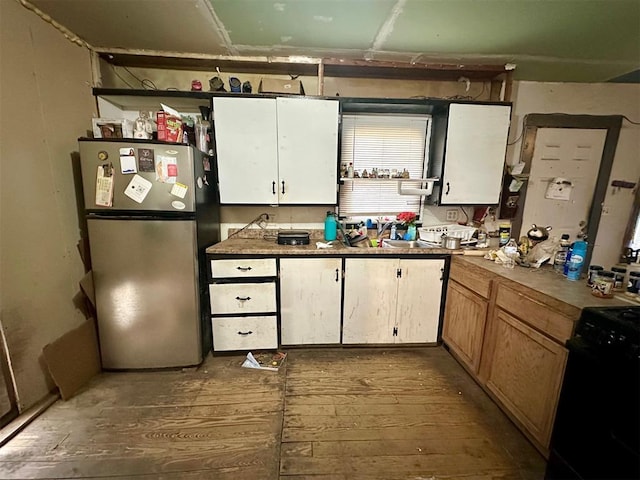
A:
<point x="434" y="233"/>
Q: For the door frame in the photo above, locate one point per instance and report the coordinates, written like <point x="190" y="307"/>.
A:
<point x="611" y="123"/>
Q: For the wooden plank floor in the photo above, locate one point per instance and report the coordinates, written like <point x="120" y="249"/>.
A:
<point x="329" y="414"/>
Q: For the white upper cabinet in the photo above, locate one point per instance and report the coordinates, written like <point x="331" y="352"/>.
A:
<point x="247" y="149"/>
<point x="276" y="151"/>
<point x="475" y="152"/>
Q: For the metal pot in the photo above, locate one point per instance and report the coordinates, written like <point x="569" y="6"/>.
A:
<point x="451" y="243"/>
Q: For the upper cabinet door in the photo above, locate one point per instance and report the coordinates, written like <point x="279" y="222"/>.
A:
<point x="475" y="152"/>
<point x="307" y="150"/>
<point x="247" y="149"/>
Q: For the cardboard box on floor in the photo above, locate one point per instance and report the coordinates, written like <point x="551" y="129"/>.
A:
<point x="274" y="85"/>
<point x="74" y="358"/>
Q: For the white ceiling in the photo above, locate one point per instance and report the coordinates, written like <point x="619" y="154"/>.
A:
<point x="548" y="40"/>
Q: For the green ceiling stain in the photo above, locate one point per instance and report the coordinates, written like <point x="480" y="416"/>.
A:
<point x="589" y="29"/>
<point x="330" y="24"/>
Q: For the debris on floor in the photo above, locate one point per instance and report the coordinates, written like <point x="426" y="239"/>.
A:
<point x="265" y="360"/>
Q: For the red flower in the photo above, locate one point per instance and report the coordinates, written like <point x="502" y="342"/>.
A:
<point x="406" y="218"/>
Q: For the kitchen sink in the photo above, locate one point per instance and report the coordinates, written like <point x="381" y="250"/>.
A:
<point x="402" y="244"/>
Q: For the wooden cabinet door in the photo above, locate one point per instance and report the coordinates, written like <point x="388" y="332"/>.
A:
<point x="525" y="374"/>
<point x="310" y="290"/>
<point x="475" y="150"/>
<point x="307" y="150"/>
<point x="465" y="317"/>
<point x="419" y="296"/>
<point x="247" y="149"/>
<point x="370" y="293"/>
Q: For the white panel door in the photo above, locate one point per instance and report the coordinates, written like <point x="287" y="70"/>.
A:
<point x="572" y="154"/>
<point x="307" y="150"/>
<point x="310" y="293"/>
<point x="247" y="149"/>
<point x="370" y="292"/>
<point x="474" y="156"/>
<point x="419" y="295"/>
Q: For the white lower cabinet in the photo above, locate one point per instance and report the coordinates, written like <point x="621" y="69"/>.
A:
<point x="243" y="304"/>
<point x="242" y="297"/>
<point x="310" y="293"/>
<point x="245" y="333"/>
<point x="390" y="300"/>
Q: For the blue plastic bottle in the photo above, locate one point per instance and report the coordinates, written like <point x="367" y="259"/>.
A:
<point x="330" y="227"/>
<point x="576" y="262"/>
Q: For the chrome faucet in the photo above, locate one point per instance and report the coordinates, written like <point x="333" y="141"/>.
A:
<point x="383" y="228"/>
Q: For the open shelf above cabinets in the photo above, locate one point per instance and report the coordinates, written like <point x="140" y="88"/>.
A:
<point x="412" y="186"/>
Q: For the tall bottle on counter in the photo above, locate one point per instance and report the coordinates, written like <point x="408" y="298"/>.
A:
<point x="561" y="254"/>
<point x="330" y="227"/>
<point x="576" y="261"/>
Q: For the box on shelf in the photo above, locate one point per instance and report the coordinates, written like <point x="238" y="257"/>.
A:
<point x="274" y="85"/>
<point x="169" y="127"/>
<point x="112" y="128"/>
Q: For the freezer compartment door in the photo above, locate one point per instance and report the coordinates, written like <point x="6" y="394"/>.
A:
<point x="147" y="299"/>
<point x="146" y="177"/>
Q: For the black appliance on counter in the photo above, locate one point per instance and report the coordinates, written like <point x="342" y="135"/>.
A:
<point x="596" y="433"/>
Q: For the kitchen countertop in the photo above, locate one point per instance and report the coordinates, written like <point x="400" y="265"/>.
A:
<point x="264" y="243"/>
<point x="546" y="281"/>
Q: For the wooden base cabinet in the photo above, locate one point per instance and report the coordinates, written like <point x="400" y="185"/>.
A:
<point x="243" y="303"/>
<point x="310" y="293"/>
<point x="465" y="318"/>
<point x="525" y="374"/>
<point x="390" y="300"/>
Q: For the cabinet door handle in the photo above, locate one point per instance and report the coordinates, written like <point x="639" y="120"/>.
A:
<point x="243" y="269"/>
<point x="243" y="299"/>
<point x="448" y="188"/>
<point x="244" y="334"/>
<point x="273" y="187"/>
<point x="283" y="187"/>
<point x="337" y="276"/>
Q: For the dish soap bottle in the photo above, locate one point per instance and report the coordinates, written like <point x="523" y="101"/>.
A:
<point x="330" y="227"/>
<point x="576" y="261"/>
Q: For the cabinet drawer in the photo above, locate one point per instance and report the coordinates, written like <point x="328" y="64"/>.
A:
<point x="242" y="297"/>
<point x="534" y="313"/>
<point x="243" y="267"/>
<point x="244" y="333"/>
<point x="472" y="279"/>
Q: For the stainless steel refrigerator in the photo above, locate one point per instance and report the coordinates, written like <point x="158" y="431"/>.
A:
<point x="151" y="211"/>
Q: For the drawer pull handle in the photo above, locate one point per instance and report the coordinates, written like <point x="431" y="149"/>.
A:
<point x="243" y="299"/>
<point x="243" y="269"/>
<point x="244" y="334"/>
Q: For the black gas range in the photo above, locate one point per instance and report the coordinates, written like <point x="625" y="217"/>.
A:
<point x="597" y="428"/>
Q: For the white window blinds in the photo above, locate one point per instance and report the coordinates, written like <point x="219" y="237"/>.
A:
<point x="385" y="142"/>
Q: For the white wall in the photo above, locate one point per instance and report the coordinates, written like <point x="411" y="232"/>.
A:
<point x="591" y="99"/>
<point x="45" y="105"/>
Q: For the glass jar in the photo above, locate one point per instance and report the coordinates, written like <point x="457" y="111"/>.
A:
<point x="593" y="273"/>
<point x="634" y="283"/>
<point x="603" y="284"/>
<point x="618" y="279"/>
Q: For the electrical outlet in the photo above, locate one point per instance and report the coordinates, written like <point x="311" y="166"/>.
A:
<point x="452" y="215"/>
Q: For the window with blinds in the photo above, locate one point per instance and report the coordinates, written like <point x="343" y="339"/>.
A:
<point x="393" y="142"/>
